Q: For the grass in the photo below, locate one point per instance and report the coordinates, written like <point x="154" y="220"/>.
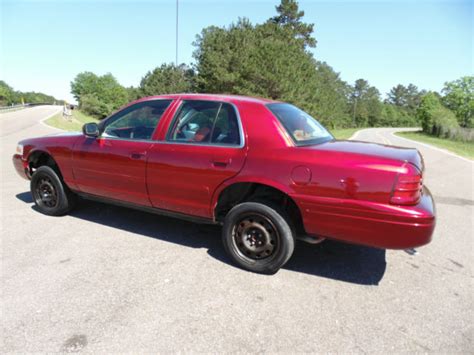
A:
<point x="344" y="133"/>
<point x="75" y="123"/>
<point x="464" y="149"/>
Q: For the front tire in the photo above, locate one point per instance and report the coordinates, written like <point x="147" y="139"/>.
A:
<point x="51" y="196"/>
<point x="258" y="237"/>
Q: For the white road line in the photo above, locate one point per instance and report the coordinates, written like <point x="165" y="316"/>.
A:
<point x="432" y="147"/>
<point x="42" y="121"/>
<point x="356" y="134"/>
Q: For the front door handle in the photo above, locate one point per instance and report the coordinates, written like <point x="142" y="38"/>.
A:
<point x="137" y="155"/>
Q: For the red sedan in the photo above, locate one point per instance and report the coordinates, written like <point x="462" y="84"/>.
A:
<point x="265" y="170"/>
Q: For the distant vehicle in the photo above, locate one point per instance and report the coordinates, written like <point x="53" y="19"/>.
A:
<point x="265" y="170"/>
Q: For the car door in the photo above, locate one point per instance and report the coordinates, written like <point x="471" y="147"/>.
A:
<point x="113" y="165"/>
<point x="204" y="146"/>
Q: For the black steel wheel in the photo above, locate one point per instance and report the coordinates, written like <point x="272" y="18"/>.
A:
<point x="255" y="236"/>
<point x="45" y="193"/>
<point x="258" y="236"/>
<point x="51" y="195"/>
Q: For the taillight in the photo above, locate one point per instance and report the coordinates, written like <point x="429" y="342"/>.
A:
<point x="408" y="186"/>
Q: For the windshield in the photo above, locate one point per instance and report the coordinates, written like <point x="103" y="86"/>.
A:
<point x="303" y="128"/>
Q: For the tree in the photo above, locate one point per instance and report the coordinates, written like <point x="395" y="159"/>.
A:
<point x="98" y="96"/>
<point x="413" y="97"/>
<point x="111" y="92"/>
<point x="428" y="103"/>
<point x="459" y="97"/>
<point x="95" y="107"/>
<point x="270" y="60"/>
<point x="257" y="60"/>
<point x="433" y="116"/>
<point x="37" y="98"/>
<point x="395" y="116"/>
<point x="397" y="96"/>
<point x="405" y="97"/>
<point x="289" y="17"/>
<point x="84" y="83"/>
<point x="366" y="105"/>
<point x="133" y="93"/>
<point x="7" y="95"/>
<point x="167" y="79"/>
<point x="331" y="107"/>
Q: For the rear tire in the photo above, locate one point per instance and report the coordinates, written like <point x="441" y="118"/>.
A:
<point x="258" y="236"/>
<point x="51" y="196"/>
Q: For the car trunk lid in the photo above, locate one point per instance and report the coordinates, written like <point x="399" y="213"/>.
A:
<point x="410" y="155"/>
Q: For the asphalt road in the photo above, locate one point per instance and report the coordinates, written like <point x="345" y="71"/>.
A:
<point x="109" y="279"/>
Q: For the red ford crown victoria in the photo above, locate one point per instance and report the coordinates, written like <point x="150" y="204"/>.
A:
<point x="266" y="170"/>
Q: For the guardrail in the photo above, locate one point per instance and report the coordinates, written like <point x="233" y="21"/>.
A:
<point x="20" y="106"/>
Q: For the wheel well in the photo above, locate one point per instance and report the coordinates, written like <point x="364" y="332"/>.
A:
<point x="40" y="158"/>
<point x="242" y="192"/>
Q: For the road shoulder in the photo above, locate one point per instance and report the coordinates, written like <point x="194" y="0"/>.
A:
<point x="431" y="146"/>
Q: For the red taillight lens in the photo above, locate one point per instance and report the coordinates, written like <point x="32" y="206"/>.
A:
<point x="408" y="186"/>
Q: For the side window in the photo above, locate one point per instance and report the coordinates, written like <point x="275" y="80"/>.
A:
<point x="205" y="122"/>
<point x="136" y="122"/>
<point x="226" y="128"/>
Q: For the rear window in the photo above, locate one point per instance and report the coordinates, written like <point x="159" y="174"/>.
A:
<point x="303" y="128"/>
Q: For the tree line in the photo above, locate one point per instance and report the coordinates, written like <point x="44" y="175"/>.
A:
<point x="274" y="60"/>
<point x="9" y="96"/>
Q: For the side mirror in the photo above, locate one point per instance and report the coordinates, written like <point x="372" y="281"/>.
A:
<point x="91" y="130"/>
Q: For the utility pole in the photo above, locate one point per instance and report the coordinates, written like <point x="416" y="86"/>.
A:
<point x="176" y="61"/>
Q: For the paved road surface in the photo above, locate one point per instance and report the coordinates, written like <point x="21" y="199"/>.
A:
<point x="108" y="279"/>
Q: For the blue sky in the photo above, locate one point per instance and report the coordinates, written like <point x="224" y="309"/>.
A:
<point x="44" y="44"/>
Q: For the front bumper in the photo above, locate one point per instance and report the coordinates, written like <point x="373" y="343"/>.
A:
<point x="373" y="224"/>
<point x="21" y="166"/>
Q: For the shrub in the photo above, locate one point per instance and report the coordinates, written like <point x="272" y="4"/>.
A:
<point x="439" y="121"/>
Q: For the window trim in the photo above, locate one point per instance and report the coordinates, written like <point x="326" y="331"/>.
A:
<point x="175" y="117"/>
<point x="105" y="121"/>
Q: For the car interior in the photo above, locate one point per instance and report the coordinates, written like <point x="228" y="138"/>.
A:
<point x="139" y="123"/>
<point x="196" y="122"/>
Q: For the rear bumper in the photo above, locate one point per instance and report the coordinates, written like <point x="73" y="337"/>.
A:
<point x="372" y="224"/>
<point x="21" y="166"/>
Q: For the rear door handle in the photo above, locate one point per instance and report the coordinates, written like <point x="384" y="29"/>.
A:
<point x="137" y="155"/>
<point x="221" y="163"/>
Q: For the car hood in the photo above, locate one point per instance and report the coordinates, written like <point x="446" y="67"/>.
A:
<point x="61" y="139"/>
<point x="402" y="154"/>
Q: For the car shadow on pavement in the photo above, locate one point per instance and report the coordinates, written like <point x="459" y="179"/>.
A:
<point x="335" y="260"/>
<point x="25" y="197"/>
<point x="330" y="259"/>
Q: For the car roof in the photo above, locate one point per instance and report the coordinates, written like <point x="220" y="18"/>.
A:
<point x="215" y="97"/>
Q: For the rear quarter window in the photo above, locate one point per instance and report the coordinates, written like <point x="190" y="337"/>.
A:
<point x="303" y="129"/>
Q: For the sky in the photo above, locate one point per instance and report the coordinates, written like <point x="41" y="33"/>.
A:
<point x="45" y="44"/>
